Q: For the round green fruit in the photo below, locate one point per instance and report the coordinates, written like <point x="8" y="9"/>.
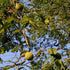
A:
<point x="28" y="56"/>
<point x="46" y="21"/>
<point x="19" y="6"/>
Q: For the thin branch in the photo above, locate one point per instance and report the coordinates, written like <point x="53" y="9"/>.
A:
<point x="26" y="39"/>
<point x="11" y="66"/>
<point x="20" y="58"/>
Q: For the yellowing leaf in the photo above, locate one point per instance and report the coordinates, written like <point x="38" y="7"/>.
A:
<point x="52" y="51"/>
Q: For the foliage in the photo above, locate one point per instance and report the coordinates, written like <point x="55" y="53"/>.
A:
<point x="36" y="20"/>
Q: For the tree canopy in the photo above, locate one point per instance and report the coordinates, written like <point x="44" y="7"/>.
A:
<point x="38" y="26"/>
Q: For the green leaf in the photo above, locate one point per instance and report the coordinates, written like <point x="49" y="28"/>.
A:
<point x="2" y="50"/>
<point x="52" y="51"/>
<point x="24" y="52"/>
<point x="15" y="49"/>
<point x="24" y="19"/>
<point x="1" y="30"/>
<point x="16" y="31"/>
<point x="9" y="20"/>
<point x="58" y="64"/>
<point x="47" y="59"/>
<point x="3" y="1"/>
<point x="38" y="54"/>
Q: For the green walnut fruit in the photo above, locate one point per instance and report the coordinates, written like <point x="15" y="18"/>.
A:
<point x="57" y="56"/>
<point x="28" y="56"/>
<point x="46" y="21"/>
<point x="19" y="6"/>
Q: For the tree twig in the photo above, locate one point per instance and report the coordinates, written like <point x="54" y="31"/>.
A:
<point x="26" y="39"/>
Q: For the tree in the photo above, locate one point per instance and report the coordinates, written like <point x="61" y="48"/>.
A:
<point x="33" y="23"/>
